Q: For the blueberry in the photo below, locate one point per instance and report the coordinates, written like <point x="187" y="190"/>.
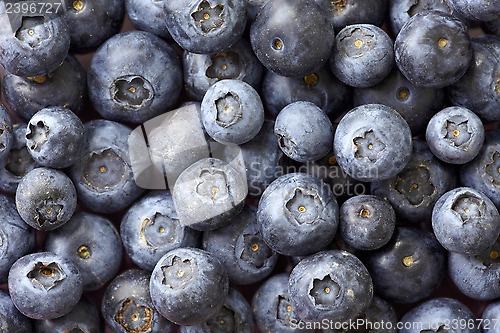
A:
<point x="148" y="16"/>
<point x="292" y="38"/>
<point x="151" y="228"/>
<point x="304" y="131"/>
<point x="235" y="316"/>
<point x="273" y="309"/>
<point x="66" y="86"/>
<point x="455" y="135"/>
<point x="35" y="46"/>
<point x="362" y="55"/>
<point x="436" y="315"/>
<point x="55" y="137"/>
<point x="237" y="62"/>
<point x="481" y="10"/>
<point x="465" y="221"/>
<point x="91" y="22"/>
<point x="483" y="173"/>
<point x="127" y="306"/>
<point x="433" y="49"/>
<point x="11" y="320"/>
<point x="414" y="191"/>
<point x="232" y="112"/>
<point x="321" y="88"/>
<point x="342" y="13"/>
<point x="240" y="248"/>
<point x="202" y="26"/>
<point x="44" y="285"/>
<point x="332" y="285"/>
<point x="208" y="194"/>
<point x="124" y="83"/>
<point x="45" y="198"/>
<point x="17" y="162"/>
<point x="103" y="176"/>
<point x="188" y="286"/>
<point x="6" y="133"/>
<point x="297" y="214"/>
<point x="372" y="142"/>
<point x="367" y="222"/>
<point x="16" y="237"/>
<point x="479" y="88"/>
<point x="409" y="268"/>
<point x="490" y="316"/>
<point x="83" y="318"/>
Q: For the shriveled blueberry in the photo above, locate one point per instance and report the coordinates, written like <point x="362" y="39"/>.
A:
<point x="66" y="86"/>
<point x="127" y="306"/>
<point x="202" y="26"/>
<point x="44" y="285"/>
<point x="232" y="112"/>
<point x="367" y="222"/>
<point x="304" y="131"/>
<point x="409" y="268"/>
<point x="433" y="49"/>
<point x="297" y="214"/>
<point x="151" y="228"/>
<point x="465" y="221"/>
<point x="11" y="320"/>
<point x="372" y="142"/>
<point x="45" y="198"/>
<point x="241" y="249"/>
<point x="188" y="286"/>
<point x="332" y="285"/>
<point x="148" y="16"/>
<point x="362" y="55"/>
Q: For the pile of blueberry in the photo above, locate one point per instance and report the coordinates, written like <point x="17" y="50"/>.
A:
<point x="324" y="166"/>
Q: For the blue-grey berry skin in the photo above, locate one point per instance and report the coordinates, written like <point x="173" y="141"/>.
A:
<point x="416" y="104"/>
<point x="92" y="22"/>
<point x="490" y="315"/>
<point x="151" y="228"/>
<point x="44" y="285"/>
<point x="367" y="222"/>
<point x="188" y="286"/>
<point x="235" y="316"/>
<point x="362" y="55"/>
<point x="11" y="320"/>
<point x="237" y="62"/>
<point x="304" y="132"/>
<point x="6" y="133"/>
<point x="45" y="198"/>
<point x="478" y="10"/>
<point x="321" y="88"/>
<point x="343" y="13"/>
<point x="66" y="86"/>
<point x="124" y="82"/>
<point x="273" y="309"/>
<point x="478" y="90"/>
<point x="84" y="317"/>
<point x="455" y="135"/>
<point x="437" y="313"/>
<point x="409" y="268"/>
<point x="16" y="237"/>
<point x="465" y="221"/>
<point x="232" y="112"/>
<point x="297" y="214"/>
<point x="208" y="194"/>
<point x="127" y="306"/>
<point x="331" y="285"/>
<point x="103" y="176"/>
<point x="262" y="157"/>
<point x="414" y="191"/>
<point x="202" y="26"/>
<point x="240" y="248"/>
<point x="17" y="162"/>
<point x="292" y="38"/>
<point x="148" y="16"/>
<point x="433" y="49"/>
<point x="92" y="243"/>
<point x="372" y="142"/>
<point x="482" y="173"/>
<point x="36" y="46"/>
<point x="55" y="137"/>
